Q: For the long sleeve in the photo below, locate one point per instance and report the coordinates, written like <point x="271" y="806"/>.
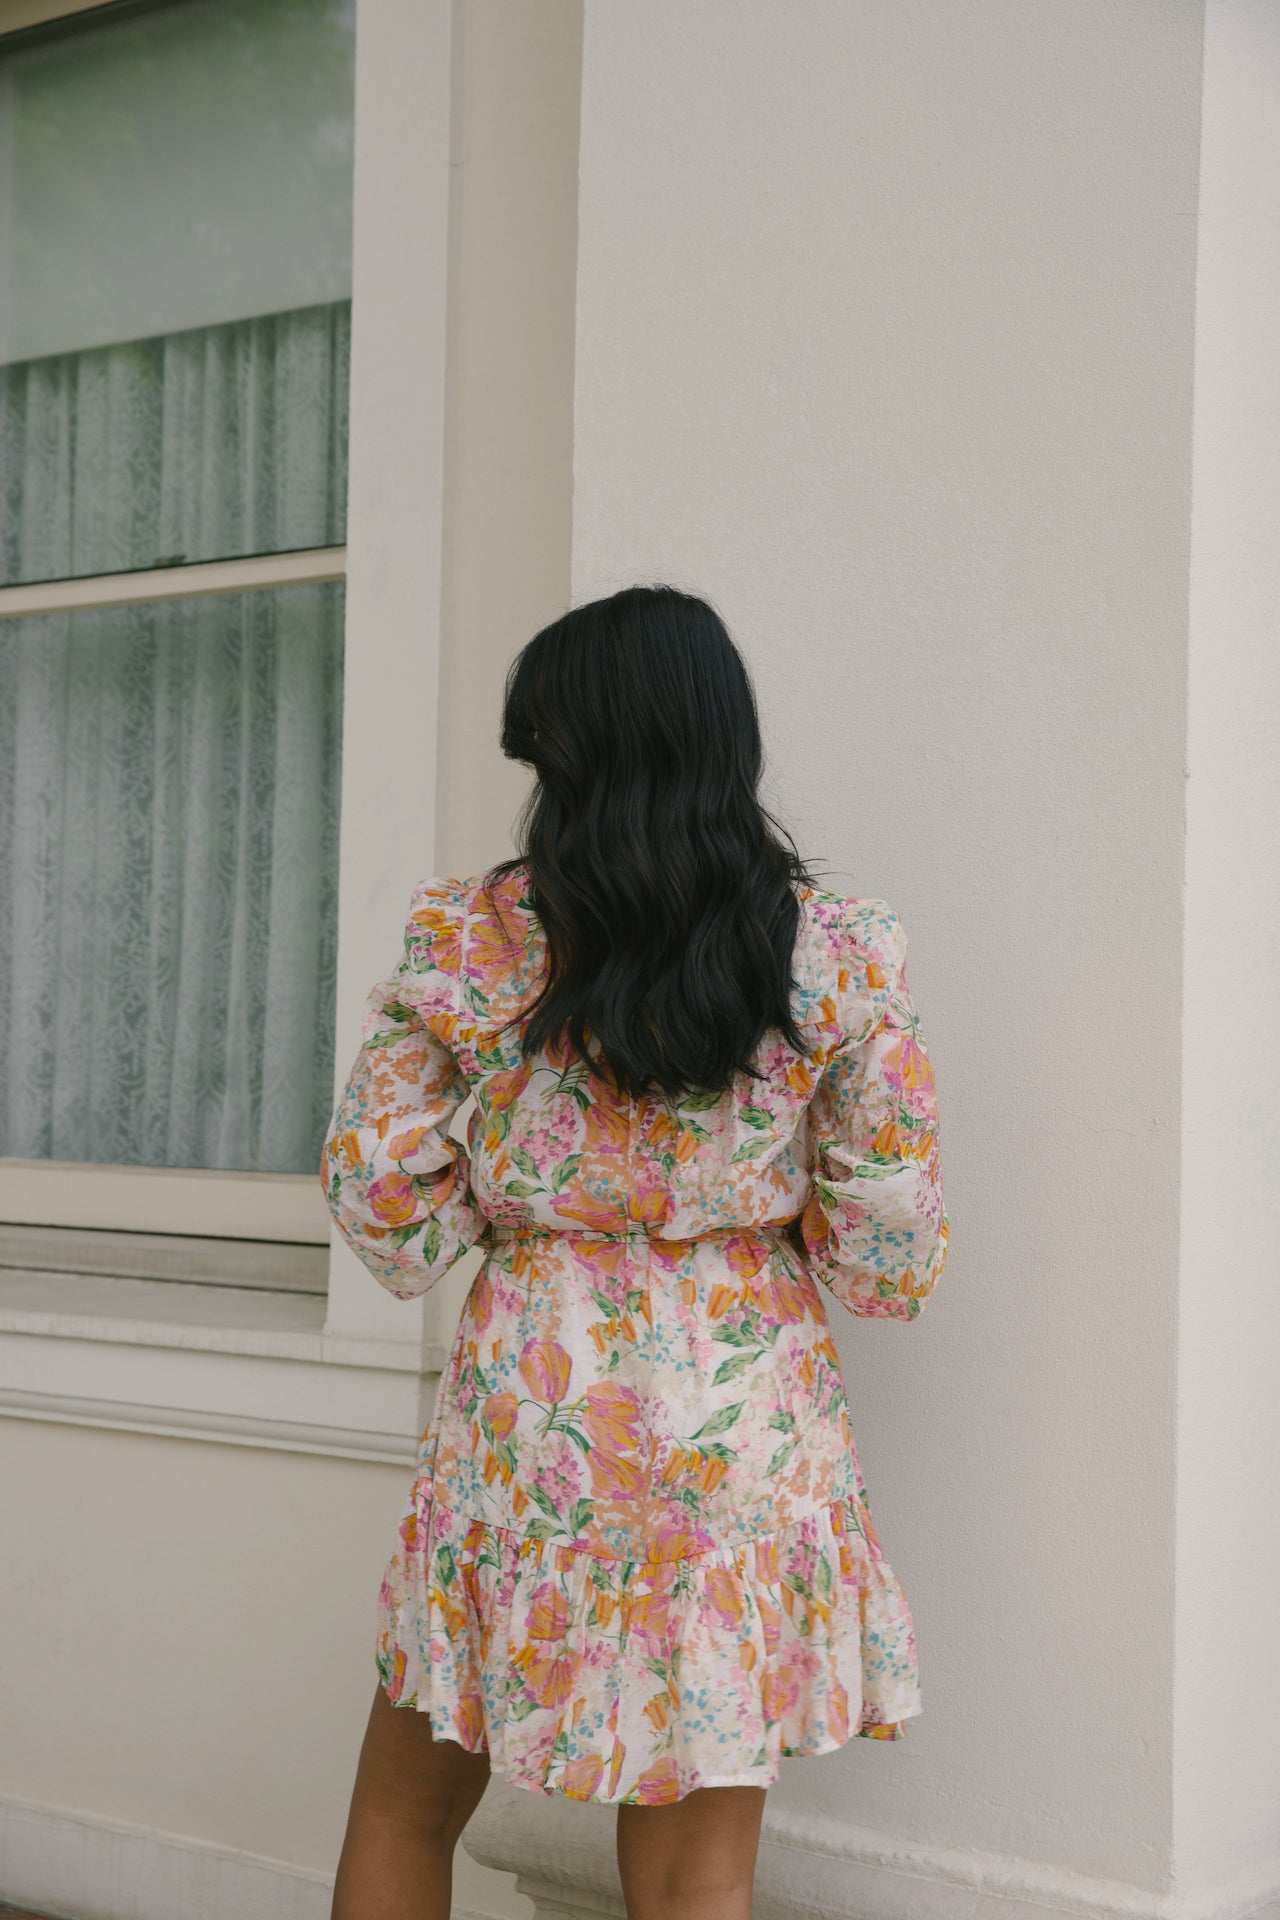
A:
<point x="875" y="1229"/>
<point x="398" y="1187"/>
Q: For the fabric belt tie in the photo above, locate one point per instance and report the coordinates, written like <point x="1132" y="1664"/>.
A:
<point x="500" y="1232"/>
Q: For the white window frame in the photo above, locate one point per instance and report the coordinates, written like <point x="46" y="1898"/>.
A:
<point x="52" y="1193"/>
<point x="348" y="1375"/>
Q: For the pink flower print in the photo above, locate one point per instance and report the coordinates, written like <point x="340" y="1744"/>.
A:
<point x="395" y="1680"/>
<point x="907" y="1066"/>
<point x="838" y="1712"/>
<point x="393" y="1200"/>
<point x="669" y="1544"/>
<point x="402" y="1146"/>
<point x="499" y="1414"/>
<point x="658" y="1785"/>
<point x="581" y="1777"/>
<point x="548" y="1615"/>
<point x="545" y="1367"/>
<point x="783" y="1298"/>
<point x="746" y="1253"/>
<point x="612" y="1418"/>
<point x="560" y="1475"/>
<point x="468" y="1717"/>
<point x="651" y="1615"/>
<point x="612" y="1477"/>
<point x="648" y="1203"/>
<point x="551" y="1682"/>
<point x="781" y="1685"/>
<point x="724" y="1596"/>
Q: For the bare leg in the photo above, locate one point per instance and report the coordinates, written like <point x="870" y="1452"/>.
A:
<point x="694" y="1859"/>
<point x="412" y="1798"/>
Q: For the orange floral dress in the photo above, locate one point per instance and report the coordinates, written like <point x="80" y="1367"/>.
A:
<point x="637" y="1557"/>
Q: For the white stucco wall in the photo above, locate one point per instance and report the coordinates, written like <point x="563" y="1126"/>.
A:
<point x="1228" y="1694"/>
<point x="188" y="1632"/>
<point x="186" y="1629"/>
<point x="885" y="343"/>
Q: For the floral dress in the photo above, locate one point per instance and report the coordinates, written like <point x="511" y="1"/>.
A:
<point x="637" y="1557"/>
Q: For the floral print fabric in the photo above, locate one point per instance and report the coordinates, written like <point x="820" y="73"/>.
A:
<point x="638" y="1557"/>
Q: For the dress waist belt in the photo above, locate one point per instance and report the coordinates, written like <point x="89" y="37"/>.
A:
<point x="500" y="1232"/>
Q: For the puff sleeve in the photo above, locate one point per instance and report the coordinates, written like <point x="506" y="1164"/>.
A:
<point x="875" y="1228"/>
<point x="397" y="1186"/>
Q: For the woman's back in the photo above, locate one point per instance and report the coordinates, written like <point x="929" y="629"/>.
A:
<point x="551" y="1144"/>
<point x="640" y="1463"/>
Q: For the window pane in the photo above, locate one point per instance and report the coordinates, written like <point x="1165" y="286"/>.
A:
<point x="169" y="786"/>
<point x="175" y="276"/>
<point x="196" y="446"/>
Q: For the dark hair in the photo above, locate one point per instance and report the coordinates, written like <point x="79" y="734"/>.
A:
<point x="665" y="889"/>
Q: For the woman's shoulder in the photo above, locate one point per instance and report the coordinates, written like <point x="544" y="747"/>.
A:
<point x="477" y="934"/>
<point x="849" y="956"/>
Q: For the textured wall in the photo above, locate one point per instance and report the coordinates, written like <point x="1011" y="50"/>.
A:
<point x="885" y="343"/>
<point x="1228" y="1779"/>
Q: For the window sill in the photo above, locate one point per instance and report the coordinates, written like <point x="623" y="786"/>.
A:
<point x="234" y="1365"/>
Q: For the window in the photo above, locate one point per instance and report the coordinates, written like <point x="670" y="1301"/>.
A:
<point x="175" y="282"/>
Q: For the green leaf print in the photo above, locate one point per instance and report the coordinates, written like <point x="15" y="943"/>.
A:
<point x="605" y="1304"/>
<point x="526" y="1163"/>
<point x="542" y="1529"/>
<point x="824" y="1579"/>
<point x="783" y="1454"/>
<point x="756" y="1116"/>
<point x="735" y="1334"/>
<point x="700" y="1103"/>
<point x="752" y="1150"/>
<point x="731" y="1368"/>
<point x="492" y="1059"/>
<point x="579" y="1514"/>
<point x="720" y="1421"/>
<point x="783" y="1420"/>
<point x="544" y="1500"/>
<point x="634" y="1297"/>
<point x="519" y="1189"/>
<point x="577" y="1436"/>
<point x="403" y="1235"/>
<point x="445" y="1565"/>
<point x="565" y="1171"/>
<point x="716" y="1450"/>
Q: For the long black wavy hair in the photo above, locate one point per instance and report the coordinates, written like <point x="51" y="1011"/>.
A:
<point x="665" y="889"/>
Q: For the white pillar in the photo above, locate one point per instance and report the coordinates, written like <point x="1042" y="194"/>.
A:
<point x="1227" y="1696"/>
<point x="886" y="336"/>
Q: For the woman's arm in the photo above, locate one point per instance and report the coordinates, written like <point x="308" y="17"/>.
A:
<point x="398" y="1187"/>
<point x="875" y="1229"/>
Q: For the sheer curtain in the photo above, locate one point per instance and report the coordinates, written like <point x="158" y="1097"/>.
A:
<point x="169" y="772"/>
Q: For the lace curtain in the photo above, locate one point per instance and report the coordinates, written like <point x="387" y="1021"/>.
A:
<point x="169" y="772"/>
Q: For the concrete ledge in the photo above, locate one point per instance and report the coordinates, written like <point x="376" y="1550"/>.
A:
<point x="813" y="1869"/>
<point x="63" y="1863"/>
<point x="67" y="1863"/>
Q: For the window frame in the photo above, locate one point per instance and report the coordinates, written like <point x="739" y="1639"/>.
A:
<point x="216" y="1203"/>
<point x="351" y="1374"/>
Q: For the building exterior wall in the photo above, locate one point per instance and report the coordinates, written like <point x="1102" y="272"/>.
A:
<point x="932" y="347"/>
<point x="186" y="1629"/>
<point x="885" y="327"/>
<point x="1228" y="1665"/>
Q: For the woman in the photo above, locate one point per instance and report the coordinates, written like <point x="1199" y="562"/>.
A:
<point x="637" y="1564"/>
